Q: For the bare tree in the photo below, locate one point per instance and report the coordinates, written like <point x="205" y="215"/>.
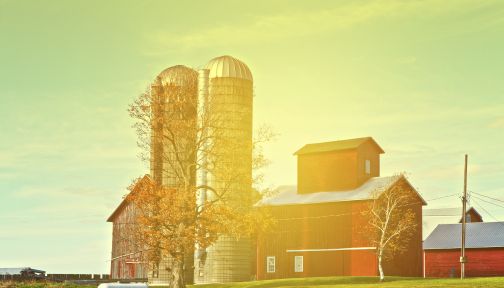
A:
<point x="391" y="220"/>
<point x="175" y="211"/>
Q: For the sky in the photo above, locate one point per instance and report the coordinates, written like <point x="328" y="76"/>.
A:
<point x="423" y="78"/>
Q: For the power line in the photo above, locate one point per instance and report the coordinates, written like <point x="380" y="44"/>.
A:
<point x="347" y="214"/>
<point x="451" y="195"/>
<point x="441" y="215"/>
<point x="488" y="197"/>
<point x="486" y="211"/>
<point x="317" y="217"/>
<point x="488" y="202"/>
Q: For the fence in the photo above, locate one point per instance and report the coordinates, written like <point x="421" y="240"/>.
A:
<point x="63" y="277"/>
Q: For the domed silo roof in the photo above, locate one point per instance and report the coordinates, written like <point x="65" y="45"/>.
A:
<point x="177" y="75"/>
<point x="227" y="66"/>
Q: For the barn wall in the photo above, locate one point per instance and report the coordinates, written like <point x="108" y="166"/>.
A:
<point x="124" y="264"/>
<point x="337" y="170"/>
<point x="481" y="262"/>
<point x="363" y="263"/>
<point x="367" y="151"/>
<point x="296" y="232"/>
<point x="331" y="226"/>
<point x="475" y="217"/>
<point x="410" y="262"/>
<point x="331" y="171"/>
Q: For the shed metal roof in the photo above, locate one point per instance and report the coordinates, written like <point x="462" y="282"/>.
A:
<point x="434" y="216"/>
<point x="287" y="195"/>
<point x="478" y="235"/>
<point x="336" y="145"/>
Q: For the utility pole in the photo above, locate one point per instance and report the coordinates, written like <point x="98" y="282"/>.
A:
<point x="463" y="258"/>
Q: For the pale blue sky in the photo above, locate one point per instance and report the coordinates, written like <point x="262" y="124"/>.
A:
<point x="424" y="78"/>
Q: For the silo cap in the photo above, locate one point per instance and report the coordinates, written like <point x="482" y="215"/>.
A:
<point x="227" y="66"/>
<point x="178" y="75"/>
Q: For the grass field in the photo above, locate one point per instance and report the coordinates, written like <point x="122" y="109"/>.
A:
<point x="9" y="284"/>
<point x="323" y="282"/>
<point x="392" y="282"/>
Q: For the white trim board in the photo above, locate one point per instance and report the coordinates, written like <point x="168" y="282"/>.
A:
<point x="331" y="249"/>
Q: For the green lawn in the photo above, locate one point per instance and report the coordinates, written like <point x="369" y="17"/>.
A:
<point x="9" y="284"/>
<point x="326" y="282"/>
<point x="322" y="282"/>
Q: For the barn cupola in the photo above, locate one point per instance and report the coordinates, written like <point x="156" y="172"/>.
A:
<point x="338" y="165"/>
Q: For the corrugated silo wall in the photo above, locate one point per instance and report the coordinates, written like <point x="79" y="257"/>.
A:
<point x="156" y="163"/>
<point x="230" y="102"/>
<point x="163" y="156"/>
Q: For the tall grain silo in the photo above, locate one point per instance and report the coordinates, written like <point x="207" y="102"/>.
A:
<point x="229" y="102"/>
<point x="174" y="95"/>
<point x="174" y="104"/>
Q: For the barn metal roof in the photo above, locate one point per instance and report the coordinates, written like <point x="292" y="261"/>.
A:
<point x="478" y="235"/>
<point x="287" y="195"/>
<point x="336" y="145"/>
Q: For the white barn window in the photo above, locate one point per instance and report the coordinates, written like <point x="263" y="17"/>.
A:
<point x="270" y="264"/>
<point x="368" y="167"/>
<point x="298" y="263"/>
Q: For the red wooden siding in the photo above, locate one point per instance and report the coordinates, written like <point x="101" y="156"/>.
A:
<point x="474" y="217"/>
<point x="409" y="264"/>
<point x="363" y="263"/>
<point x="329" y="226"/>
<point x="481" y="262"/>
<point x="296" y="232"/>
<point x="337" y="170"/>
<point x="126" y="259"/>
<point x="330" y="171"/>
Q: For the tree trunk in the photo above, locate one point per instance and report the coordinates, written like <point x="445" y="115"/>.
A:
<point x="380" y="268"/>
<point x="177" y="274"/>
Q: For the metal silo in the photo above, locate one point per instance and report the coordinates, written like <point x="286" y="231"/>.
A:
<point x="229" y="101"/>
<point x="174" y="95"/>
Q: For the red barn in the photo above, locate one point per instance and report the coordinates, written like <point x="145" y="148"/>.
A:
<point x="484" y="250"/>
<point x="127" y="261"/>
<point x="320" y="219"/>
